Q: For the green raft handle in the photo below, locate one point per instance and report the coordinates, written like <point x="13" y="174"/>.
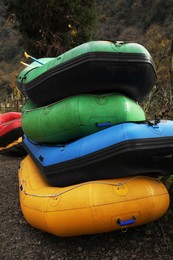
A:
<point x="103" y="124"/>
<point x="126" y="222"/>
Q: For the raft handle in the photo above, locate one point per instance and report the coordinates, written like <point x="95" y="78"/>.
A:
<point x="41" y="158"/>
<point x="126" y="222"/>
<point x="103" y="124"/>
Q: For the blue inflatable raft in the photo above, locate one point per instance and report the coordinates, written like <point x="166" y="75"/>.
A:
<point x="122" y="150"/>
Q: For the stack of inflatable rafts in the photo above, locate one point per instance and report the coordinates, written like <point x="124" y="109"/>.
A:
<point x="93" y="159"/>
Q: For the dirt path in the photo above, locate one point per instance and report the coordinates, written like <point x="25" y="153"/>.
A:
<point x="18" y="240"/>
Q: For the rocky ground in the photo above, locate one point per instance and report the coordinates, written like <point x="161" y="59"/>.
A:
<point x="18" y="240"/>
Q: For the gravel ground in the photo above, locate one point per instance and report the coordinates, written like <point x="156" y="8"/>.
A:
<point x="18" y="240"/>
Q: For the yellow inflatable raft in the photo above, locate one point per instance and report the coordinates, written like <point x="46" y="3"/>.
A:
<point x="92" y="207"/>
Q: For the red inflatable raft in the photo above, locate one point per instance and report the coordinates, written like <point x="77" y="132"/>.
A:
<point x="10" y="128"/>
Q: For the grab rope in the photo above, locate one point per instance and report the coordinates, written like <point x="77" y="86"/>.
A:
<point x="25" y="110"/>
<point x="22" y="186"/>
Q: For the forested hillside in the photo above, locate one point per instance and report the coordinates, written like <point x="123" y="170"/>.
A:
<point x="10" y="53"/>
<point x="151" y="24"/>
<point x="132" y="18"/>
<point x="144" y="21"/>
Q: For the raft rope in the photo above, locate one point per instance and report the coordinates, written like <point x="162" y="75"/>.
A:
<point x="24" y="110"/>
<point x="22" y="186"/>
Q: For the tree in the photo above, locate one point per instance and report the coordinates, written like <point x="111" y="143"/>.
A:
<point x="9" y="56"/>
<point x="50" y="27"/>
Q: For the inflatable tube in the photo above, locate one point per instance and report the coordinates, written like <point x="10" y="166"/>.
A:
<point x="89" y="208"/>
<point x="122" y="150"/>
<point x="77" y="116"/>
<point x="97" y="66"/>
<point x="10" y="128"/>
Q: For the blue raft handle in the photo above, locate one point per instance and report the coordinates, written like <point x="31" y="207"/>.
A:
<point x="126" y="222"/>
<point x="103" y="124"/>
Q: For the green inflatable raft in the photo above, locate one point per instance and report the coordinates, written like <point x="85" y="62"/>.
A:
<point x="96" y="66"/>
<point x="77" y="116"/>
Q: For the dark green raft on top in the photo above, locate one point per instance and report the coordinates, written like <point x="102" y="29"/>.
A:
<point x="96" y="66"/>
<point x="77" y="116"/>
